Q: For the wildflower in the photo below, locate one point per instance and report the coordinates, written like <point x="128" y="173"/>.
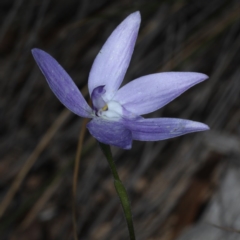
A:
<point x="116" y="113"/>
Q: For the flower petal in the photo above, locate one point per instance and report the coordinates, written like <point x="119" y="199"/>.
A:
<point x="61" y="84"/>
<point x="154" y="129"/>
<point x="112" y="61"/>
<point x="110" y="132"/>
<point x="149" y="93"/>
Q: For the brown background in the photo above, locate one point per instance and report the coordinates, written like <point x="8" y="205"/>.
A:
<point x="174" y="185"/>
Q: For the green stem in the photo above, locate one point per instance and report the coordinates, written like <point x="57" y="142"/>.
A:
<point x="121" y="191"/>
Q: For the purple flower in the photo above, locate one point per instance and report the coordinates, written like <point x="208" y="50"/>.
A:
<point x="116" y="113"/>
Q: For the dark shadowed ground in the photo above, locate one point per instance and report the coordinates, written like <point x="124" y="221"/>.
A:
<point x="185" y="188"/>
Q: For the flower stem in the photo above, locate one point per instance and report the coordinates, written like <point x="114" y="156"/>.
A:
<point x="121" y="191"/>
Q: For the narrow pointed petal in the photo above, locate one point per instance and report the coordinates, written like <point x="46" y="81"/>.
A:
<point x="110" y="132"/>
<point x="112" y="61"/>
<point x="61" y="84"/>
<point x="154" y="129"/>
<point x="149" y="93"/>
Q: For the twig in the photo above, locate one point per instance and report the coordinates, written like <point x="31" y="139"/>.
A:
<point x="75" y="176"/>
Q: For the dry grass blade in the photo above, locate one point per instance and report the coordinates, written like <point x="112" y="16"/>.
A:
<point x="228" y="229"/>
<point x="203" y="36"/>
<point x="32" y="158"/>
<point x="40" y="203"/>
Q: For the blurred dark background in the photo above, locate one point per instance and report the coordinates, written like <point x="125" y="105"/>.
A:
<point x="184" y="188"/>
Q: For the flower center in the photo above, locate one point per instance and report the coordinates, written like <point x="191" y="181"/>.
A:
<point x="110" y="110"/>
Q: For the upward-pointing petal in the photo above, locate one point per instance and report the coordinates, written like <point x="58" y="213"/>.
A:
<point x="149" y="93"/>
<point x="61" y="84"/>
<point x="112" y="61"/>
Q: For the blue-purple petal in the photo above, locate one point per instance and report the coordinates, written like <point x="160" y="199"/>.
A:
<point x="61" y="84"/>
<point x="154" y="129"/>
<point x="110" y="132"/>
<point x="149" y="93"/>
<point x="112" y="61"/>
